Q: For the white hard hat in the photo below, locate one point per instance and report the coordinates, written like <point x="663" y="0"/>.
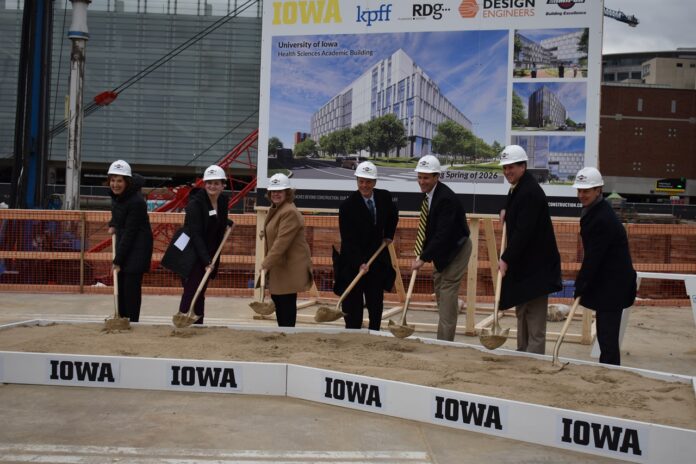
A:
<point x="278" y="182"/>
<point x="428" y="164"/>
<point x="588" y="178"/>
<point x="512" y="154"/>
<point x="366" y="170"/>
<point x="120" y="168"/>
<point x="214" y="172"/>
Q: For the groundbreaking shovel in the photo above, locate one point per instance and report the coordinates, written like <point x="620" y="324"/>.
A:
<point x="326" y="314"/>
<point x="494" y="336"/>
<point x="260" y="307"/>
<point x="555" y="362"/>
<point x="181" y="320"/>
<point x="403" y="330"/>
<point x="116" y="322"/>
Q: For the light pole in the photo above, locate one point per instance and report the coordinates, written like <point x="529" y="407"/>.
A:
<point x="78" y="35"/>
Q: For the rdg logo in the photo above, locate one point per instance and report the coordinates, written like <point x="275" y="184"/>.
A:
<point x="426" y="9"/>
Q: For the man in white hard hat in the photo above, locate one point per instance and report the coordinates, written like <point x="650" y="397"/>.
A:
<point x="443" y="238"/>
<point x="366" y="218"/>
<point x="606" y="282"/>
<point x="530" y="264"/>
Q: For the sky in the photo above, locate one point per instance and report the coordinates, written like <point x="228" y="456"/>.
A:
<point x="664" y="25"/>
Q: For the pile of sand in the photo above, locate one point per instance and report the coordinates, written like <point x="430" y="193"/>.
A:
<point x="583" y="388"/>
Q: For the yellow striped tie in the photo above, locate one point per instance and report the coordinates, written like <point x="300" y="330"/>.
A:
<point x="422" y="220"/>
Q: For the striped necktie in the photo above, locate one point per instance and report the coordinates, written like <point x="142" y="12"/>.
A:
<point x="422" y="221"/>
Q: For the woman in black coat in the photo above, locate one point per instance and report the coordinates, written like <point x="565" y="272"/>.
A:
<point x="606" y="282"/>
<point x="131" y="224"/>
<point x="205" y="221"/>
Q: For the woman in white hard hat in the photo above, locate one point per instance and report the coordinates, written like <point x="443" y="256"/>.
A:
<point x="287" y="261"/>
<point x="206" y="220"/>
<point x="606" y="282"/>
<point x="366" y="218"/>
<point x="131" y="224"/>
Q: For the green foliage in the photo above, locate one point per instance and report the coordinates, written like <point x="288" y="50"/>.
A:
<point x="274" y="144"/>
<point x="305" y="148"/>
<point x="518" y="116"/>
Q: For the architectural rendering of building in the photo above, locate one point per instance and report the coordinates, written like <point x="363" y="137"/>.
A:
<point x="395" y="85"/>
<point x="549" y="52"/>
<point x="545" y="109"/>
<point x="537" y="149"/>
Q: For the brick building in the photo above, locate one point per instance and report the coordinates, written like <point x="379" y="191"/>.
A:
<point x="646" y="134"/>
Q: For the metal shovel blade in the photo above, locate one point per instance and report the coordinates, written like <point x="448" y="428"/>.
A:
<point x="113" y="324"/>
<point x="263" y="308"/>
<point x="492" y="339"/>
<point x="326" y="314"/>
<point x="181" y="320"/>
<point x="401" y="331"/>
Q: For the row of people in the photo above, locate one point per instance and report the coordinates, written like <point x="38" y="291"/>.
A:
<point x="530" y="263"/>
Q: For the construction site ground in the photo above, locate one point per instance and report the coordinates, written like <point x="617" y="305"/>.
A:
<point x="92" y="425"/>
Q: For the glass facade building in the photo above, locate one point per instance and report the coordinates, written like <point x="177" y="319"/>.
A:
<point x="395" y="85"/>
<point x="545" y="109"/>
<point x="185" y="114"/>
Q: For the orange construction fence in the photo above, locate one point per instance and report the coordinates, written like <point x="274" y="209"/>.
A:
<point x="65" y="251"/>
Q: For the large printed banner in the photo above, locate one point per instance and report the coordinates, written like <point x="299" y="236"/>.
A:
<point x="347" y="80"/>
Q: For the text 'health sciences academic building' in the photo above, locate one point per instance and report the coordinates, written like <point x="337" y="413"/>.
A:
<point x="395" y="85"/>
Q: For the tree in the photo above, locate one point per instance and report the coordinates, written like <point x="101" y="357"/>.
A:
<point x="451" y="139"/>
<point x="305" y="148"/>
<point x="570" y="123"/>
<point x="384" y="134"/>
<point x="496" y="148"/>
<point x="584" y="41"/>
<point x="359" y="138"/>
<point x="274" y="144"/>
<point x="518" y="119"/>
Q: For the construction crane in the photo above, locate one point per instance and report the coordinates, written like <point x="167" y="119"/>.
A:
<point x="621" y="16"/>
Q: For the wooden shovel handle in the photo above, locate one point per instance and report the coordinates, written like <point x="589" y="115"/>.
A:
<point x="115" y="275"/>
<point x="210" y="270"/>
<point x="409" y="292"/>
<point x="499" y="280"/>
<point x="557" y="346"/>
<point x="360" y="274"/>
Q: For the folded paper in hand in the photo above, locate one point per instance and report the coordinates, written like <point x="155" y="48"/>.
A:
<point x="182" y="241"/>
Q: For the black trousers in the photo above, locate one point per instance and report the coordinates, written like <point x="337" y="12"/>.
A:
<point x="368" y="292"/>
<point x="286" y="309"/>
<point x="130" y="295"/>
<point x="190" y="287"/>
<point x="608" y="325"/>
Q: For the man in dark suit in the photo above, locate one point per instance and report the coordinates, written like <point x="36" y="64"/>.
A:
<point x="530" y="264"/>
<point x="443" y="238"/>
<point x="606" y="282"/>
<point x="366" y="219"/>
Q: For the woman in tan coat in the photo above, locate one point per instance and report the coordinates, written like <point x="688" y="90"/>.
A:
<point x="288" y="262"/>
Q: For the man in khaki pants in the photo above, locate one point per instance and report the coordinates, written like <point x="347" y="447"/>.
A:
<point x="443" y="238"/>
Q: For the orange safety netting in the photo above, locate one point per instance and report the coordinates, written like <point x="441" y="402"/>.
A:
<point x="69" y="251"/>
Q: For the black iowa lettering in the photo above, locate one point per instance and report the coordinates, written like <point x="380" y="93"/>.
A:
<point x="602" y="436"/>
<point x="81" y="371"/>
<point x="482" y="415"/>
<point x="217" y="377"/>
<point x="353" y="392"/>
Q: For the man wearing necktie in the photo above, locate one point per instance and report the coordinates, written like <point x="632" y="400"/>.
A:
<point x="443" y="238"/>
<point x="366" y="218"/>
<point x="530" y="264"/>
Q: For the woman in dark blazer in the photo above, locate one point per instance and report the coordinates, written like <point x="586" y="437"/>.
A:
<point x="206" y="220"/>
<point x="364" y="226"/>
<point x="131" y="224"/>
<point x="606" y="282"/>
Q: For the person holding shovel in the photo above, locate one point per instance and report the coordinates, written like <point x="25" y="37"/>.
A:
<point x="443" y="238"/>
<point x="606" y="282"/>
<point x="530" y="264"/>
<point x="288" y="261"/>
<point x="366" y="219"/>
<point x="205" y="221"/>
<point x="130" y="225"/>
